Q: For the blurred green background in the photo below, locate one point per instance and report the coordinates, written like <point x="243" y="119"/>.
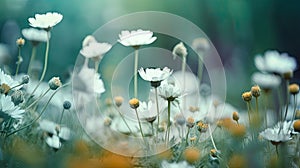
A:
<point x="239" y="29"/>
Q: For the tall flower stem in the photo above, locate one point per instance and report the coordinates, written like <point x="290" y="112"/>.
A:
<point x="32" y="58"/>
<point x="136" y="59"/>
<point x="211" y="138"/>
<point x="137" y="115"/>
<point x="287" y="99"/>
<point x="157" y="108"/>
<point x="118" y="109"/>
<point x="45" y="63"/>
<point x="183" y="82"/>
<point x="61" y="116"/>
<point x="249" y="110"/>
<point x="294" y="111"/>
<point x="97" y="62"/>
<point x="187" y="136"/>
<point x="38" y="99"/>
<point x="200" y="66"/>
<point x="19" y="61"/>
<point x="169" y="121"/>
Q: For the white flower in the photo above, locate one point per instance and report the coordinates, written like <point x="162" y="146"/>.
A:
<point x="179" y="50"/>
<point x="7" y="107"/>
<point x="95" y="49"/>
<point x="147" y="111"/>
<point x="267" y="81"/>
<point x="200" y="45"/>
<point x="275" y="62"/>
<point x="278" y="134"/>
<point x="169" y="91"/>
<point x="154" y="75"/>
<point x="182" y="164"/>
<point x="88" y="39"/>
<point x="136" y="37"/>
<point x="45" y="21"/>
<point x="88" y="82"/>
<point x="35" y="35"/>
<point x="53" y="141"/>
<point x="6" y="79"/>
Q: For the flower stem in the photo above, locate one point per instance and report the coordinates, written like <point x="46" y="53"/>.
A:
<point x="38" y="99"/>
<point x="137" y="115"/>
<point x="19" y="61"/>
<point x="211" y="138"/>
<point x="136" y="57"/>
<point x="187" y="136"/>
<point x="157" y="108"/>
<point x="61" y="116"/>
<point x="118" y="109"/>
<point x="169" y="122"/>
<point x="249" y="109"/>
<point x="45" y="63"/>
<point x="200" y="66"/>
<point x="294" y="111"/>
<point x="287" y="99"/>
<point x="32" y="58"/>
<point x="183" y="82"/>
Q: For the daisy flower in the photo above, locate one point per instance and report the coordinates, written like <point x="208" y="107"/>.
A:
<point x="266" y="81"/>
<point x="155" y="75"/>
<point x="35" y="35"/>
<point x="45" y="21"/>
<point x="95" y="50"/>
<point x="136" y="37"/>
<point x="274" y="62"/>
<point x="169" y="92"/>
<point x="279" y="133"/>
<point x="6" y="79"/>
<point x="8" y="108"/>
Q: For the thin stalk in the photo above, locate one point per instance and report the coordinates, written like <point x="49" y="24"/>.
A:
<point x="38" y="99"/>
<point x="157" y="108"/>
<point x="45" y="64"/>
<point x="169" y="122"/>
<point x="43" y="110"/>
<point x="124" y="120"/>
<point x="19" y="60"/>
<point x="249" y="109"/>
<point x="136" y="57"/>
<point x="211" y="138"/>
<point x="200" y="66"/>
<point x="97" y="62"/>
<point x="183" y="82"/>
<point x="137" y="115"/>
<point x="32" y="58"/>
<point x="294" y="111"/>
<point x="287" y="99"/>
<point x="187" y="136"/>
<point x="61" y="116"/>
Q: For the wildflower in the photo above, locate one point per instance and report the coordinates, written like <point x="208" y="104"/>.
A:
<point x="146" y="112"/>
<point x="20" y="42"/>
<point x="54" y="83"/>
<point x="193" y="109"/>
<point x="201" y="126"/>
<point x="45" y="21"/>
<point x="136" y="38"/>
<point x="118" y="100"/>
<point x="25" y="79"/>
<point x="181" y="164"/>
<point x="247" y="96"/>
<point x="200" y="45"/>
<point x="214" y="152"/>
<point x="8" y="108"/>
<point x="288" y="75"/>
<point x="275" y="62"/>
<point x="87" y="40"/>
<point x="134" y="103"/>
<point x="279" y="133"/>
<point x="179" y="119"/>
<point x="255" y="91"/>
<point x="235" y="116"/>
<point x="294" y="88"/>
<point x="67" y="104"/>
<point x="190" y="122"/>
<point x="95" y="50"/>
<point x="191" y="155"/>
<point x="155" y="76"/>
<point x="169" y="92"/>
<point x="17" y="97"/>
<point x="266" y="81"/>
<point x="7" y="80"/>
<point x="296" y="125"/>
<point x="179" y="50"/>
<point x="35" y="35"/>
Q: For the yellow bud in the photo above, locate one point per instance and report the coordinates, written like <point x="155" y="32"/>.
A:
<point x="134" y="103"/>
<point x="235" y="116"/>
<point x="294" y="88"/>
<point x="255" y="91"/>
<point x="296" y="125"/>
<point x="118" y="100"/>
<point x="247" y="96"/>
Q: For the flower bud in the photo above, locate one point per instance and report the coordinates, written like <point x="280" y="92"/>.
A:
<point x="294" y="88"/>
<point x="134" y="103"/>
<point x="296" y="125"/>
<point x="191" y="155"/>
<point x="190" y="122"/>
<point x="247" y="96"/>
<point x="255" y="91"/>
<point x="20" y="42"/>
<point x="235" y="116"/>
<point x="179" y="50"/>
<point x="67" y="105"/>
<point x="25" y="79"/>
<point x="54" y="83"/>
<point x="118" y="100"/>
<point x="17" y="97"/>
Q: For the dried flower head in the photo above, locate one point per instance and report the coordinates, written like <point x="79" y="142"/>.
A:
<point x="200" y="45"/>
<point x="54" y="83"/>
<point x="296" y="125"/>
<point x="294" y="88"/>
<point x="67" y="104"/>
<point x="214" y="152"/>
<point x="235" y="116"/>
<point x="118" y="100"/>
<point x="179" y="50"/>
<point x="288" y="75"/>
<point x="237" y="161"/>
<point x="202" y="127"/>
<point x="247" y="96"/>
<point x="25" y="79"/>
<point x="193" y="109"/>
<point x="20" y="42"/>
<point x="134" y="103"/>
<point x="255" y="91"/>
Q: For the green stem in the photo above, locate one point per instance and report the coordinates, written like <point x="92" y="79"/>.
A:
<point x="200" y="66"/>
<point x="19" y="61"/>
<point x="43" y="110"/>
<point x="183" y="82"/>
<point x="38" y="99"/>
<point x="32" y="58"/>
<point x="45" y="64"/>
<point x="169" y="121"/>
<point x="124" y="120"/>
<point x="248" y="107"/>
<point x="211" y="138"/>
<point x="157" y="108"/>
<point x="287" y="99"/>
<point x="136" y="57"/>
<point x="294" y="112"/>
<point x="61" y="117"/>
<point x="187" y="136"/>
<point x="137" y="115"/>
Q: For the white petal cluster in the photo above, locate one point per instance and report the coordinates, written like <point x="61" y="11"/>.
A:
<point x="153" y="75"/>
<point x="7" y="107"/>
<point x="274" y="62"/>
<point x="279" y="133"/>
<point x="136" y="37"/>
<point x="267" y="81"/>
<point x="95" y="49"/>
<point x="179" y="50"/>
<point x="45" y="21"/>
<point x="169" y="91"/>
<point x="35" y="35"/>
<point x="4" y="78"/>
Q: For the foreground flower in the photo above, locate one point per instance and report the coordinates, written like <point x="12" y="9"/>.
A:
<point x="45" y="21"/>
<point x="275" y="62"/>
<point x="95" y="50"/>
<point x="266" y="81"/>
<point x="35" y="35"/>
<point x="169" y="92"/>
<point x="155" y="75"/>
<point x="279" y="133"/>
<point x="136" y="38"/>
<point x="182" y="164"/>
<point x="179" y="50"/>
<point x="7" y="80"/>
<point x="88" y="39"/>
<point x="8" y="108"/>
